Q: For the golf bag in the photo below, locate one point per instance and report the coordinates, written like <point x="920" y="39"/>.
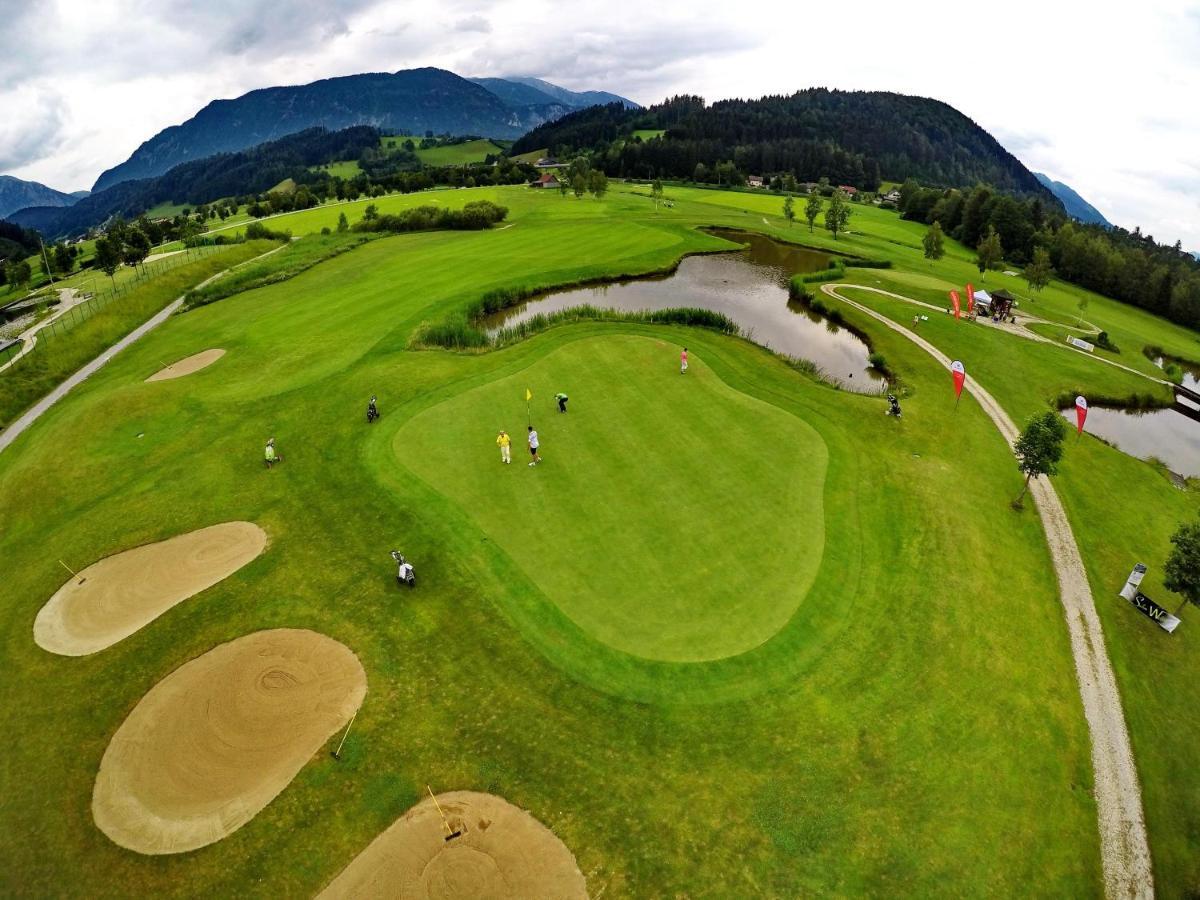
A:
<point x="893" y="406"/>
<point x="404" y="572"/>
<point x="372" y="411"/>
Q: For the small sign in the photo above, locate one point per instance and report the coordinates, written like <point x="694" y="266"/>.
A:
<point x="1152" y="610"/>
<point x="1135" y="580"/>
<point x="1081" y="344"/>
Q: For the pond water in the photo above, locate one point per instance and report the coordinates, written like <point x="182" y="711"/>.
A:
<point x="749" y="286"/>
<point x="1171" y="435"/>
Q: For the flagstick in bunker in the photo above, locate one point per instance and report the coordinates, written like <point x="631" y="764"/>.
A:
<point x="959" y="371"/>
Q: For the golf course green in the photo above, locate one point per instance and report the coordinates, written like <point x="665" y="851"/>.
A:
<point x="738" y="634"/>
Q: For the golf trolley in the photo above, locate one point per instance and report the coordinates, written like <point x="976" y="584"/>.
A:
<point x="372" y="411"/>
<point x="893" y="406"/>
<point x="404" y="572"/>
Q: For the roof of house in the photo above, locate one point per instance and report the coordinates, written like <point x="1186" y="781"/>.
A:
<point x="547" y="178"/>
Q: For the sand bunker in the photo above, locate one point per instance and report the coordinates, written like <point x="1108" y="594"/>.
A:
<point x="216" y="740"/>
<point x="504" y="852"/>
<point x="113" y="598"/>
<point x="187" y="366"/>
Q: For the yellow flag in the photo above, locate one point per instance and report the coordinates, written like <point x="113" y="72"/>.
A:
<point x="528" y="395"/>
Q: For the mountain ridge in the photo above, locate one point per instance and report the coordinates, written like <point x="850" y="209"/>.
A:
<point x="17" y="193"/>
<point x="1075" y="205"/>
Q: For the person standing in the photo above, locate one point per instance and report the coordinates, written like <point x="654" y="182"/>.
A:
<point x="683" y="361"/>
<point x="562" y="401"/>
<point x="533" y="447"/>
<point x="503" y="441"/>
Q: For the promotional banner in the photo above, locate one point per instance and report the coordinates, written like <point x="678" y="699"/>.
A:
<point x="1080" y="414"/>
<point x="970" y="300"/>
<point x="959" y="371"/>
<point x="1152" y="610"/>
<point x="954" y="300"/>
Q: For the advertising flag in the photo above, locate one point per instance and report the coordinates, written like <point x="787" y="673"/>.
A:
<point x="957" y="306"/>
<point x="1081" y="409"/>
<point x="970" y="300"/>
<point x="959" y="371"/>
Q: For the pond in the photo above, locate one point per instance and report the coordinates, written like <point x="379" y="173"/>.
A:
<point x="749" y="286"/>
<point x="1171" y="435"/>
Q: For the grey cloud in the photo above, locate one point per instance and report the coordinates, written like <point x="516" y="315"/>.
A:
<point x="1018" y="142"/>
<point x="31" y="129"/>
<point x="473" y="23"/>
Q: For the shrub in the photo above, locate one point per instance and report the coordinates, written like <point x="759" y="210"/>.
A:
<point x="257" y="231"/>
<point x="877" y="362"/>
<point x="474" y="216"/>
<point x="867" y="263"/>
<point x="1104" y="343"/>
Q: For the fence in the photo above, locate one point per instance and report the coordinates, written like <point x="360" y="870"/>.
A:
<point x="98" y="294"/>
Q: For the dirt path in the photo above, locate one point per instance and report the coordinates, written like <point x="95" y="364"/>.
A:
<point x="1124" y="848"/>
<point x="36" y="411"/>
<point x="69" y="298"/>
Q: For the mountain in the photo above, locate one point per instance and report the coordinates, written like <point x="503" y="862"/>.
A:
<point x="412" y="101"/>
<point x="17" y="194"/>
<point x="854" y="137"/>
<point x="202" y="180"/>
<point x="577" y="99"/>
<point x="1076" y="206"/>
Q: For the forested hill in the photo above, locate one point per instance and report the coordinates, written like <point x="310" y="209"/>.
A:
<point x="851" y="137"/>
<point x="17" y="194"/>
<point x="222" y="175"/>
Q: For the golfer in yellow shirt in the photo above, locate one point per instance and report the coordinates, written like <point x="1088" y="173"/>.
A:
<point x="503" y="441"/>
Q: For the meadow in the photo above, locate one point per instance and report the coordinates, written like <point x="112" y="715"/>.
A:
<point x="738" y="634"/>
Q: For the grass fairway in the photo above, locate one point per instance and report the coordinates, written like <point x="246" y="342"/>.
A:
<point x="676" y="484"/>
<point x="739" y="635"/>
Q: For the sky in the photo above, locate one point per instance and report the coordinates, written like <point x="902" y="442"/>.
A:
<point x="1101" y="96"/>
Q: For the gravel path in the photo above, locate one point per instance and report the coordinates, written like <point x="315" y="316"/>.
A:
<point x="1124" y="848"/>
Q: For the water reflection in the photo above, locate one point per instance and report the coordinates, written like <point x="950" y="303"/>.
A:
<point x="751" y="287"/>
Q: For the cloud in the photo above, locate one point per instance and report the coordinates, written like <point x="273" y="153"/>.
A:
<point x="31" y="128"/>
<point x="474" y="23"/>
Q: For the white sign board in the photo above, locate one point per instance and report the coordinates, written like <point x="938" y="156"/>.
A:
<point x="1081" y="344"/>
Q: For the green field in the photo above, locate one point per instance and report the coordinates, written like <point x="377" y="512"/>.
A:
<point x="649" y="134"/>
<point x="739" y="634"/>
<point x="458" y="154"/>
<point x="344" y="169"/>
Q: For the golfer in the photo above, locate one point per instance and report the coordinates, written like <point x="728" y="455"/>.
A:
<point x="533" y="447"/>
<point x="562" y="401"/>
<point x="683" y="361"/>
<point x="270" y="457"/>
<point x="503" y="441"/>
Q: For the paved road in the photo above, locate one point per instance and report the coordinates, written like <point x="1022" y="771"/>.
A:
<point x="1124" y="847"/>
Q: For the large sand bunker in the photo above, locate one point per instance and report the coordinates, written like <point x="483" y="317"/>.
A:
<point x="113" y="598"/>
<point x="503" y="853"/>
<point x="187" y="366"/>
<point x="217" y="740"/>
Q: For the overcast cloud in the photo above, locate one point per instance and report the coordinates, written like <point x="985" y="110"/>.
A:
<point x="1100" y="96"/>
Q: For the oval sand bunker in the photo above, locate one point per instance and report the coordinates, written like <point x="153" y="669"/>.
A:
<point x="188" y="365"/>
<point x="503" y="853"/>
<point x="216" y="740"/>
<point x="113" y="598"/>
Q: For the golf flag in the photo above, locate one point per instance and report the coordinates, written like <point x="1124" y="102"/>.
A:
<point x="970" y="300"/>
<point x="959" y="371"/>
<point x="957" y="307"/>
<point x="528" y="395"/>
<point x="1080" y="413"/>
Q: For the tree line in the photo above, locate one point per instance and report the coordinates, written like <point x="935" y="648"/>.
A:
<point x="1126" y="265"/>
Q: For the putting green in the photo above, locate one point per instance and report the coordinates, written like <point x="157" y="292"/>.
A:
<point x="673" y="518"/>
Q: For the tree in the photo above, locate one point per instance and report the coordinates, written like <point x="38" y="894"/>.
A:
<point x="108" y="255"/>
<point x="18" y="273"/>
<point x="933" y="242"/>
<point x="1038" y="272"/>
<point x="136" y="249"/>
<point x="64" y="262"/>
<point x="789" y="210"/>
<point x="563" y="187"/>
<point x="343" y="222"/>
<point x="1082" y="306"/>
<point x="812" y="209"/>
<point x="989" y="252"/>
<point x="597" y="183"/>
<point x="579" y="186"/>
<point x="371" y="212"/>
<point x="1183" y="565"/>
<point x="1040" y="447"/>
<point x="838" y="213"/>
<point x="656" y="191"/>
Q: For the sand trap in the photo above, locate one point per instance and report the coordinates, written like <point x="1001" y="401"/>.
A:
<point x="217" y="740"/>
<point x="113" y="598"/>
<point x="187" y="366"/>
<point x="503" y="853"/>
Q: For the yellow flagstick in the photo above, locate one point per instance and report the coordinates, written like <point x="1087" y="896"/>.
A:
<point x="528" y="415"/>
<point x="450" y="833"/>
